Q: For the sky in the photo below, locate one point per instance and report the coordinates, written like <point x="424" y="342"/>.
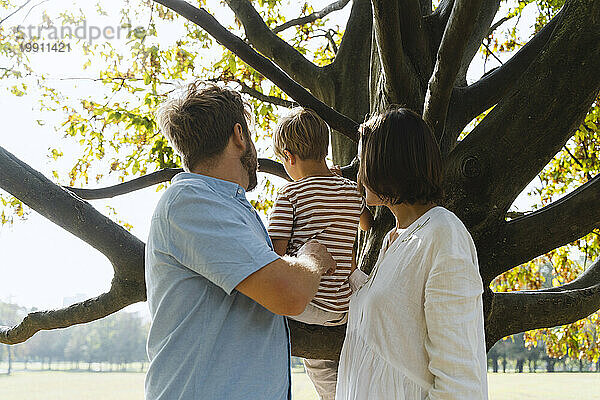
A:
<point x="41" y="264"/>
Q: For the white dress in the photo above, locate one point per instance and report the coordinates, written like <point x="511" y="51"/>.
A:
<point x="415" y="328"/>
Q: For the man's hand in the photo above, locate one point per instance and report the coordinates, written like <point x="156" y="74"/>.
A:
<point x="323" y="259"/>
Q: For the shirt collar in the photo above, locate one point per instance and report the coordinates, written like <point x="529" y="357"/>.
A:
<point x="218" y="185"/>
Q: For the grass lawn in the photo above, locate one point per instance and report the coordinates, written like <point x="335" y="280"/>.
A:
<point x="62" y="385"/>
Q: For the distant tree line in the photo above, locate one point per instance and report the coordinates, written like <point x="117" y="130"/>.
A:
<point x="513" y="355"/>
<point x="120" y="339"/>
<point x="117" y="340"/>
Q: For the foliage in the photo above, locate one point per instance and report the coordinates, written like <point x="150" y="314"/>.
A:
<point x="577" y="163"/>
<point x="116" y="129"/>
<point x="118" y="138"/>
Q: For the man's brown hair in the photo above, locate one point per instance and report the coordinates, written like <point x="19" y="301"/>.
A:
<point x="303" y="133"/>
<point x="400" y="158"/>
<point x="200" y="123"/>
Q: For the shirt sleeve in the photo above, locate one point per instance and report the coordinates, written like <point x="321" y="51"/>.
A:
<point x="455" y="339"/>
<point x="281" y="221"/>
<point x="213" y="238"/>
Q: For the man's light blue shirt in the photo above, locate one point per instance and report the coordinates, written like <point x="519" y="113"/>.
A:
<point x="207" y="340"/>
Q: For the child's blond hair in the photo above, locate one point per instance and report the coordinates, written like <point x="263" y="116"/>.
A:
<point x="303" y="133"/>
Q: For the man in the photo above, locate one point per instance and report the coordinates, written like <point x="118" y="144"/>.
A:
<point x="217" y="291"/>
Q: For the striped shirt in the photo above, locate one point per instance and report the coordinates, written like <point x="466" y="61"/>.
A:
<point x="325" y="208"/>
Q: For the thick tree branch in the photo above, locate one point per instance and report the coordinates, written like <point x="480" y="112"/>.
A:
<point x="426" y="7"/>
<point x="124" y="251"/>
<point x="263" y="65"/>
<point x="315" y="341"/>
<point x="335" y="6"/>
<point x="439" y="20"/>
<point x="467" y="103"/>
<point x="515" y="312"/>
<point x="562" y="222"/>
<point x="119" y="296"/>
<point x="154" y="178"/>
<point x="349" y="76"/>
<point x="357" y="38"/>
<point x="522" y="134"/>
<point x="414" y="39"/>
<point x="272" y="46"/>
<point x="164" y="175"/>
<point x="454" y="41"/>
<point x="442" y="12"/>
<point x="395" y="65"/>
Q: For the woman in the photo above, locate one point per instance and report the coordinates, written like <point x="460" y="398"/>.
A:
<point x="415" y="327"/>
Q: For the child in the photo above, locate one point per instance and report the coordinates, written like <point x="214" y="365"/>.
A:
<point x="317" y="205"/>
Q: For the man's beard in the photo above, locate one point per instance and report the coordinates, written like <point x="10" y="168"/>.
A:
<point x="250" y="163"/>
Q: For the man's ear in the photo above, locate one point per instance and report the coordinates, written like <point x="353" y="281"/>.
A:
<point x="290" y="156"/>
<point x="238" y="137"/>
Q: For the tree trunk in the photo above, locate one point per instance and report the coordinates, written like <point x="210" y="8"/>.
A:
<point x="550" y="364"/>
<point x="9" y="360"/>
<point x="495" y="364"/>
<point x="397" y="56"/>
<point x="520" y="364"/>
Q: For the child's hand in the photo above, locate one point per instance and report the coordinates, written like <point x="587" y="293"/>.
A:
<point x="319" y="253"/>
<point x="336" y="169"/>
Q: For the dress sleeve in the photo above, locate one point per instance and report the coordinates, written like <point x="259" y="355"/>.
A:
<point x="281" y="221"/>
<point x="209" y="237"/>
<point x="455" y="340"/>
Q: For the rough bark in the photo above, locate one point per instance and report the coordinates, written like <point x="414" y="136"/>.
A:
<point x="349" y="77"/>
<point x="397" y="71"/>
<point x="456" y="34"/>
<point x="438" y="21"/>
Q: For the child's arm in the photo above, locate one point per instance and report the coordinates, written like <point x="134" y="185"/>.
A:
<point x="281" y="223"/>
<point x="366" y="220"/>
<point x="280" y="246"/>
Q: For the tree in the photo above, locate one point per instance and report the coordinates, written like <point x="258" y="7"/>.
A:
<point x="391" y="52"/>
<point x="10" y="314"/>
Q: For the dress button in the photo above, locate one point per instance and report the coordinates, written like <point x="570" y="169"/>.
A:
<point x="239" y="191"/>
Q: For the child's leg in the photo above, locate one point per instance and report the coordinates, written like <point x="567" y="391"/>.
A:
<point x="323" y="375"/>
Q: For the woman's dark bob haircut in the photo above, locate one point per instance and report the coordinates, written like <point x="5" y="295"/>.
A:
<point x="400" y="159"/>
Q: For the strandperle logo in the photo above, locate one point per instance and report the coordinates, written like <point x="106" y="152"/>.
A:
<point x="83" y="31"/>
